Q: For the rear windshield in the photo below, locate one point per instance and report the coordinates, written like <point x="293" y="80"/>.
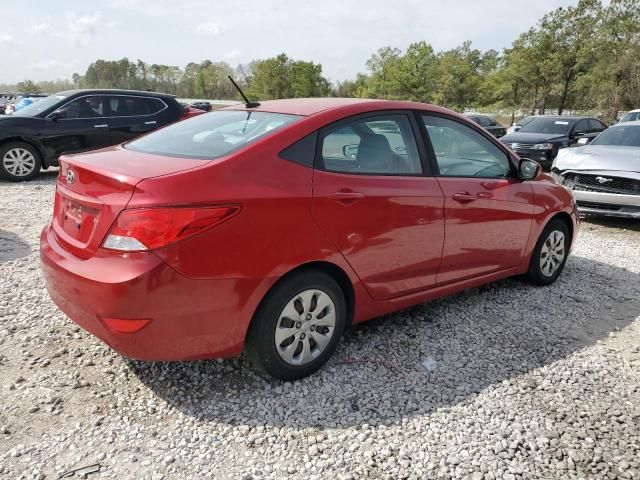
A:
<point x="547" y="125"/>
<point x="622" y="136"/>
<point x="211" y="135"/>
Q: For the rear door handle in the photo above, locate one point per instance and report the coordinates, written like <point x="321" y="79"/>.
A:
<point x="150" y="123"/>
<point x="102" y="125"/>
<point x="463" y="197"/>
<point x="346" y="197"/>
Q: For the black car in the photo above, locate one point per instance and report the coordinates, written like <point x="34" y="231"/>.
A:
<point x="206" y="106"/>
<point x="488" y="123"/>
<point x="541" y="138"/>
<point x="76" y="121"/>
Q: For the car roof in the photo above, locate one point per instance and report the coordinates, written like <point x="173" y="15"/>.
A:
<point x="562" y="117"/>
<point x="113" y="91"/>
<point x="312" y="106"/>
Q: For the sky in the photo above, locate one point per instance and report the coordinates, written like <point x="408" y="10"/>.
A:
<point x="50" y="40"/>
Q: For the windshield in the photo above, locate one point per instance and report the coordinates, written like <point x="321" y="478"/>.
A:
<point x="547" y="125"/>
<point x="622" y="136"/>
<point x="40" y="106"/>
<point x="211" y="135"/>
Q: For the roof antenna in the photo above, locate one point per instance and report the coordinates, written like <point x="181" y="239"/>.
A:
<point x="247" y="103"/>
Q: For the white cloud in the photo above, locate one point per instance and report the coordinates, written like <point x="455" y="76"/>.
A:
<point x="212" y="27"/>
<point x="48" y="65"/>
<point x="231" y="55"/>
<point x="41" y="27"/>
<point x="6" y="39"/>
<point x="81" y="28"/>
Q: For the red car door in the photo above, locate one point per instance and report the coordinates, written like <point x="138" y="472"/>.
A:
<point x="488" y="211"/>
<point x="372" y="200"/>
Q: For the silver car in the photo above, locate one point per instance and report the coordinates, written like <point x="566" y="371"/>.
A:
<point x="604" y="175"/>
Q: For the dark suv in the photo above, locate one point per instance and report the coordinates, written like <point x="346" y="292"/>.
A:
<point x="76" y="121"/>
<point x="541" y="138"/>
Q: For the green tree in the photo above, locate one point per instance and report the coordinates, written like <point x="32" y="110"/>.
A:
<point x="28" y="86"/>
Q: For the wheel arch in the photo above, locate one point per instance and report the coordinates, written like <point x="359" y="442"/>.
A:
<point x="566" y="219"/>
<point x="328" y="268"/>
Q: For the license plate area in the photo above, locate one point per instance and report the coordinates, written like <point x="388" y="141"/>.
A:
<point x="76" y="218"/>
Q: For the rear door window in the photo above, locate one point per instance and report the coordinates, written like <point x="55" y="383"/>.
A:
<point x="124" y="106"/>
<point x="596" y="126"/>
<point x="582" y="126"/>
<point x="485" y="122"/>
<point x="382" y="145"/>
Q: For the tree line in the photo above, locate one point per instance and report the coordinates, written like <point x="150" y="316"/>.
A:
<point x="584" y="57"/>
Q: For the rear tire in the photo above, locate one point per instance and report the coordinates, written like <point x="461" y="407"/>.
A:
<point x="298" y="326"/>
<point x="19" y="161"/>
<point x="550" y="254"/>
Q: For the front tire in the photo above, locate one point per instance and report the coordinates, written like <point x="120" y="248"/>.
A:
<point x="298" y="326"/>
<point x="19" y="162"/>
<point x="550" y="254"/>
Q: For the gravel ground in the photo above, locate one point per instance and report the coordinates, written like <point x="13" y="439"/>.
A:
<point x="506" y="381"/>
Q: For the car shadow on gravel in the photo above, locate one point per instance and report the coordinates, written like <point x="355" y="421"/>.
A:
<point x="12" y="247"/>
<point x="411" y="363"/>
<point x="613" y="222"/>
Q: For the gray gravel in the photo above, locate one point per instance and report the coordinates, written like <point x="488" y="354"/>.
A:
<point x="506" y="381"/>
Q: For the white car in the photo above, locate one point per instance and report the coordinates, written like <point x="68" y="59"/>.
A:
<point x="631" y="116"/>
<point x="604" y="175"/>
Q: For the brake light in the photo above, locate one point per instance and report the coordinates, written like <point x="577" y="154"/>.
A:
<point x="153" y="228"/>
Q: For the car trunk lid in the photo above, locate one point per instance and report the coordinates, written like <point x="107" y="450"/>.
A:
<point x="92" y="189"/>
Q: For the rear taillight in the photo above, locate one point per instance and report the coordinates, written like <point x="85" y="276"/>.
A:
<point x="153" y="228"/>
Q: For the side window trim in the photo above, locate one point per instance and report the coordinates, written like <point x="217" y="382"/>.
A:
<point x="422" y="153"/>
<point x="418" y="114"/>
<point x="104" y="96"/>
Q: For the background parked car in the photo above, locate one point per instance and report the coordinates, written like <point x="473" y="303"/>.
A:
<point x="631" y="116"/>
<point x="205" y="106"/>
<point x="542" y="138"/>
<point x="488" y="123"/>
<point x="6" y="99"/>
<point x="605" y="175"/>
<point x="519" y="124"/>
<point x="77" y="121"/>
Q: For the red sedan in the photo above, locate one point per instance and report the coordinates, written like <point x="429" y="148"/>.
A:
<point x="270" y="228"/>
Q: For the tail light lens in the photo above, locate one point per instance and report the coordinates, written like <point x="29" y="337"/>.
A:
<point x="153" y="228"/>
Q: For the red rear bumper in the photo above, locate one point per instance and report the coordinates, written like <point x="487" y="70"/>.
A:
<point x="191" y="318"/>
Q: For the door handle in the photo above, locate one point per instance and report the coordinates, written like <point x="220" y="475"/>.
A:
<point x="102" y="125"/>
<point x="463" y="197"/>
<point x="150" y="123"/>
<point x="346" y="197"/>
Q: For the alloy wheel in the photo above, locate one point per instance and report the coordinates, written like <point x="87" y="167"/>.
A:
<point x="19" y="162"/>
<point x="552" y="253"/>
<point x="305" y="327"/>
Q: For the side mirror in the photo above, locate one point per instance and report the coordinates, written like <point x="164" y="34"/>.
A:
<point x="583" y="141"/>
<point x="528" y="169"/>
<point x="578" y="133"/>
<point x="350" y="151"/>
<point x="55" y="116"/>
